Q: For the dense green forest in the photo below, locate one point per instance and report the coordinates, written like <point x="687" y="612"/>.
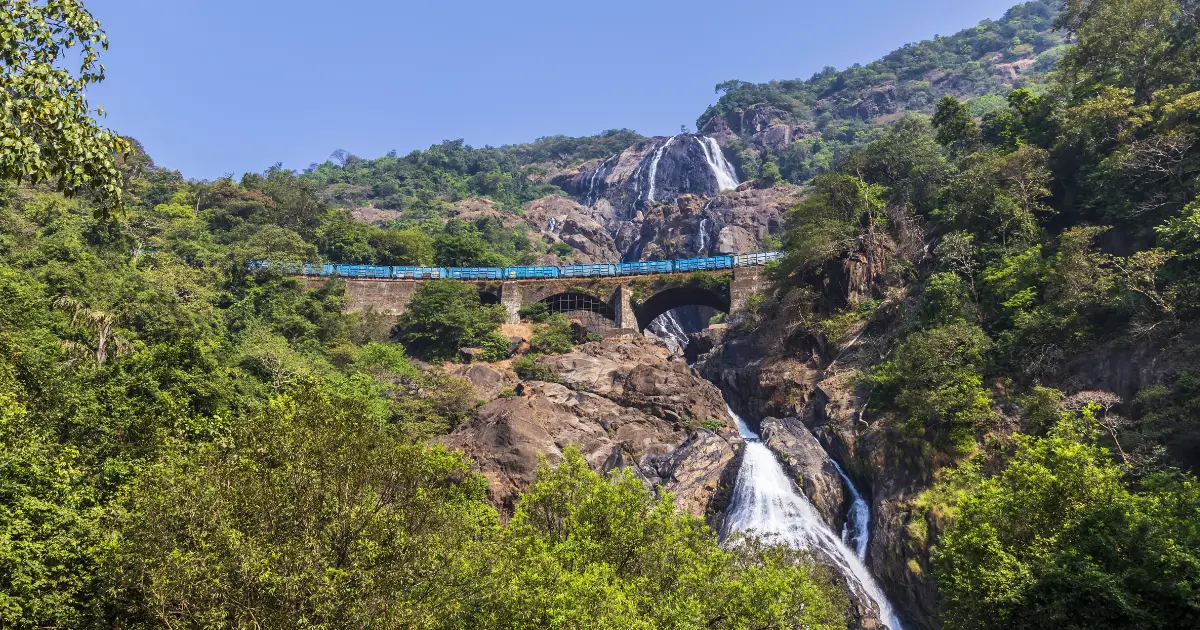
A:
<point x="184" y="443"/>
<point x="1012" y="250"/>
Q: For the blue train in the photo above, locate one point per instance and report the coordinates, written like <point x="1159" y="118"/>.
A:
<point x="543" y="272"/>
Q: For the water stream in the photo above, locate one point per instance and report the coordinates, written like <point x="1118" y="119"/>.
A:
<point x="668" y="330"/>
<point x="767" y="502"/>
<point x="721" y="168"/>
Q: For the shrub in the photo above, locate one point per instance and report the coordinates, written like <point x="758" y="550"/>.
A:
<point x="553" y="337"/>
<point x="445" y="316"/>
<point x="528" y="369"/>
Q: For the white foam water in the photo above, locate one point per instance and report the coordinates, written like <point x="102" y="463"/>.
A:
<point x="857" y="530"/>
<point x="668" y="329"/>
<point x="766" y="502"/>
<point x="654" y="166"/>
<point x="721" y="168"/>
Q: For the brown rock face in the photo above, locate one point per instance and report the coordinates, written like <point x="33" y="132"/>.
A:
<point x="624" y="405"/>
<point x="488" y="381"/>
<point x="585" y="229"/>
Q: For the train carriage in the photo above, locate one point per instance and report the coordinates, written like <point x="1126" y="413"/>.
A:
<point x="363" y="271"/>
<point x="644" y="268"/>
<point x="531" y="273"/>
<point x="318" y="270"/>
<point x="589" y="271"/>
<point x="418" y="273"/>
<point x="704" y="264"/>
<point x="476" y="273"/>
<point x="755" y="259"/>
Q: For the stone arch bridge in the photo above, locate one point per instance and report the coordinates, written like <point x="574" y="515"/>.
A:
<point x="627" y="303"/>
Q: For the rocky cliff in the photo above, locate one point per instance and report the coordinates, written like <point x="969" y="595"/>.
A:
<point x="623" y="403"/>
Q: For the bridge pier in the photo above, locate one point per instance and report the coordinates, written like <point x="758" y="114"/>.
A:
<point x="510" y="297"/>
<point x="746" y="282"/>
<point x="623" y="308"/>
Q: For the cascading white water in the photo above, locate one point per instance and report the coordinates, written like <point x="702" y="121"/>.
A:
<point x="703" y="236"/>
<point x="654" y="166"/>
<point x="767" y="502"/>
<point x="721" y="168"/>
<point x="551" y="224"/>
<point x="857" y="530"/>
<point x="667" y="328"/>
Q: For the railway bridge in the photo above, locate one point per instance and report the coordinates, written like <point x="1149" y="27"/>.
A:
<point x="603" y="304"/>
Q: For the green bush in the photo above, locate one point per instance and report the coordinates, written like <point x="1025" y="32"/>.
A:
<point x="445" y="316"/>
<point x="553" y="337"/>
<point x="536" y="312"/>
<point x="528" y="369"/>
<point x="935" y="378"/>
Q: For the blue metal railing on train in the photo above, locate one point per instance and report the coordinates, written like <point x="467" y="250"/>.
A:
<point x="537" y="272"/>
<point x="476" y="273"/>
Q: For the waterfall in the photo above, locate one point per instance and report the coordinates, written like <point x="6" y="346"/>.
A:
<point x="551" y="224"/>
<point x="591" y="197"/>
<point x="767" y="502"/>
<point x="658" y="153"/>
<point x="703" y="236"/>
<point x="859" y="518"/>
<point x="672" y="334"/>
<point x="721" y="168"/>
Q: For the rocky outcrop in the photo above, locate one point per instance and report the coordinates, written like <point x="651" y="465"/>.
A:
<point x="624" y="405"/>
<point x="489" y="382"/>
<point x="653" y="171"/>
<point x="585" y="229"/>
<point x="804" y="458"/>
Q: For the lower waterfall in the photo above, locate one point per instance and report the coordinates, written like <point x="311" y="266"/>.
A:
<point x="670" y="332"/>
<point x="766" y="502"/>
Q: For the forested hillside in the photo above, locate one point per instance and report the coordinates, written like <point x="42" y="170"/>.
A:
<point x="988" y="313"/>
<point x="1007" y="310"/>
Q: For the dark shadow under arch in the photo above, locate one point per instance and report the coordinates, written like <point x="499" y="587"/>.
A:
<point x="487" y="297"/>
<point x="591" y="311"/>
<point x="668" y="299"/>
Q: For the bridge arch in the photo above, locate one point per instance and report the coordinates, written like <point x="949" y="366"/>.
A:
<point x="488" y="297"/>
<point x="668" y="299"/>
<point x="591" y="311"/>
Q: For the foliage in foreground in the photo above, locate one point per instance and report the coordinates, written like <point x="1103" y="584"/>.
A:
<point x="1056" y="540"/>
<point x="315" y="513"/>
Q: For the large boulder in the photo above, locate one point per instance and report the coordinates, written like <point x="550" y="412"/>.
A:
<point x="624" y="405"/>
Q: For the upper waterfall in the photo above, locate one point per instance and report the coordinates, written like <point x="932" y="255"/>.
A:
<point x="721" y="168"/>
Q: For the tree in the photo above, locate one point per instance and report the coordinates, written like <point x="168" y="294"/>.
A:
<point x="1055" y="540"/>
<point x="445" y="316"/>
<point x="955" y="127"/>
<point x="313" y="513"/>
<point x="586" y="550"/>
<point x="46" y="127"/>
<point x="770" y="175"/>
<point x="935" y="378"/>
<point x="410" y="247"/>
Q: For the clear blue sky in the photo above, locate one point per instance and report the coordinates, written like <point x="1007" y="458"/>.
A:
<point x="219" y="86"/>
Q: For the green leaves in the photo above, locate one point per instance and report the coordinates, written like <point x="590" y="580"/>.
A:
<point x="1056" y="540"/>
<point x="445" y="316"/>
<point x="47" y="131"/>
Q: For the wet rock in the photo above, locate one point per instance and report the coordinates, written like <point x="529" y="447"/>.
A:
<point x="809" y="465"/>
